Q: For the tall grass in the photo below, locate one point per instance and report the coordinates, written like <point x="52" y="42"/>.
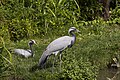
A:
<point x="6" y="64"/>
<point x="21" y="19"/>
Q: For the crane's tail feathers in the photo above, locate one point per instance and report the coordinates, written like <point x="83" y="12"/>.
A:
<point x="43" y="59"/>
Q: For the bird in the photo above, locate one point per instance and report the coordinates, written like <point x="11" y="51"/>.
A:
<point x="57" y="46"/>
<point x="26" y="53"/>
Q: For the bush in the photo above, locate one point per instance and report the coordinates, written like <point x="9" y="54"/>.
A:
<point x="26" y="18"/>
<point x="77" y="69"/>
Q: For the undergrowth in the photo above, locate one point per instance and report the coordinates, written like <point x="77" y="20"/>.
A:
<point x="90" y="53"/>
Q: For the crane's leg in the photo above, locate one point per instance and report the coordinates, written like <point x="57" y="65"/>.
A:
<point x="60" y="60"/>
<point x="45" y="65"/>
<point x="53" y="64"/>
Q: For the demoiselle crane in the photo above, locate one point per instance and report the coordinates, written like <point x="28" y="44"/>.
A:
<point x="26" y="53"/>
<point x="57" y="46"/>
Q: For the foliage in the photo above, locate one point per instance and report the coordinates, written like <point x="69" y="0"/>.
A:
<point x="115" y="15"/>
<point x="82" y="61"/>
<point x="22" y="20"/>
<point x="106" y="45"/>
<point x="5" y="63"/>
<point x="27" y="18"/>
<point x="90" y="9"/>
<point x="74" y="68"/>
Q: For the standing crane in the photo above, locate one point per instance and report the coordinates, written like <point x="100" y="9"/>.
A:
<point x="26" y="53"/>
<point x="57" y="46"/>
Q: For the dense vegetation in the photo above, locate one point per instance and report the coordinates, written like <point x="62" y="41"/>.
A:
<point x="46" y="20"/>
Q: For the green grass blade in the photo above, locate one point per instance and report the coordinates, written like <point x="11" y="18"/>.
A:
<point x="60" y="2"/>
<point x="8" y="62"/>
<point x="77" y="5"/>
<point x="51" y="12"/>
<point x="53" y="3"/>
<point x="10" y="56"/>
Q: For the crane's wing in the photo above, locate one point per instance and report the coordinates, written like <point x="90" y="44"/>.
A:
<point x="59" y="44"/>
<point x="22" y="52"/>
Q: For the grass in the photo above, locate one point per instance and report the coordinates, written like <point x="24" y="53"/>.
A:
<point x="90" y="53"/>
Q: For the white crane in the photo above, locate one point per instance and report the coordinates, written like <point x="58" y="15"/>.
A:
<point x="57" y="46"/>
<point x="26" y="53"/>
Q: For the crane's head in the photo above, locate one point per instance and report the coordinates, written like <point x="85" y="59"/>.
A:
<point x="31" y="42"/>
<point x="73" y="29"/>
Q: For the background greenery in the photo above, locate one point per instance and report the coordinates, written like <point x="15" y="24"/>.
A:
<point x="46" y="20"/>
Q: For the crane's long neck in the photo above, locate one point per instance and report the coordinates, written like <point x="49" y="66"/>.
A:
<point x="31" y="50"/>
<point x="74" y="36"/>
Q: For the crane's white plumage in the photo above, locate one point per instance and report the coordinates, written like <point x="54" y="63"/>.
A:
<point x="26" y="53"/>
<point x="58" y="45"/>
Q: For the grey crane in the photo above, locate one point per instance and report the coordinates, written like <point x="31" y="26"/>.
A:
<point x="57" y="46"/>
<point x="26" y="53"/>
